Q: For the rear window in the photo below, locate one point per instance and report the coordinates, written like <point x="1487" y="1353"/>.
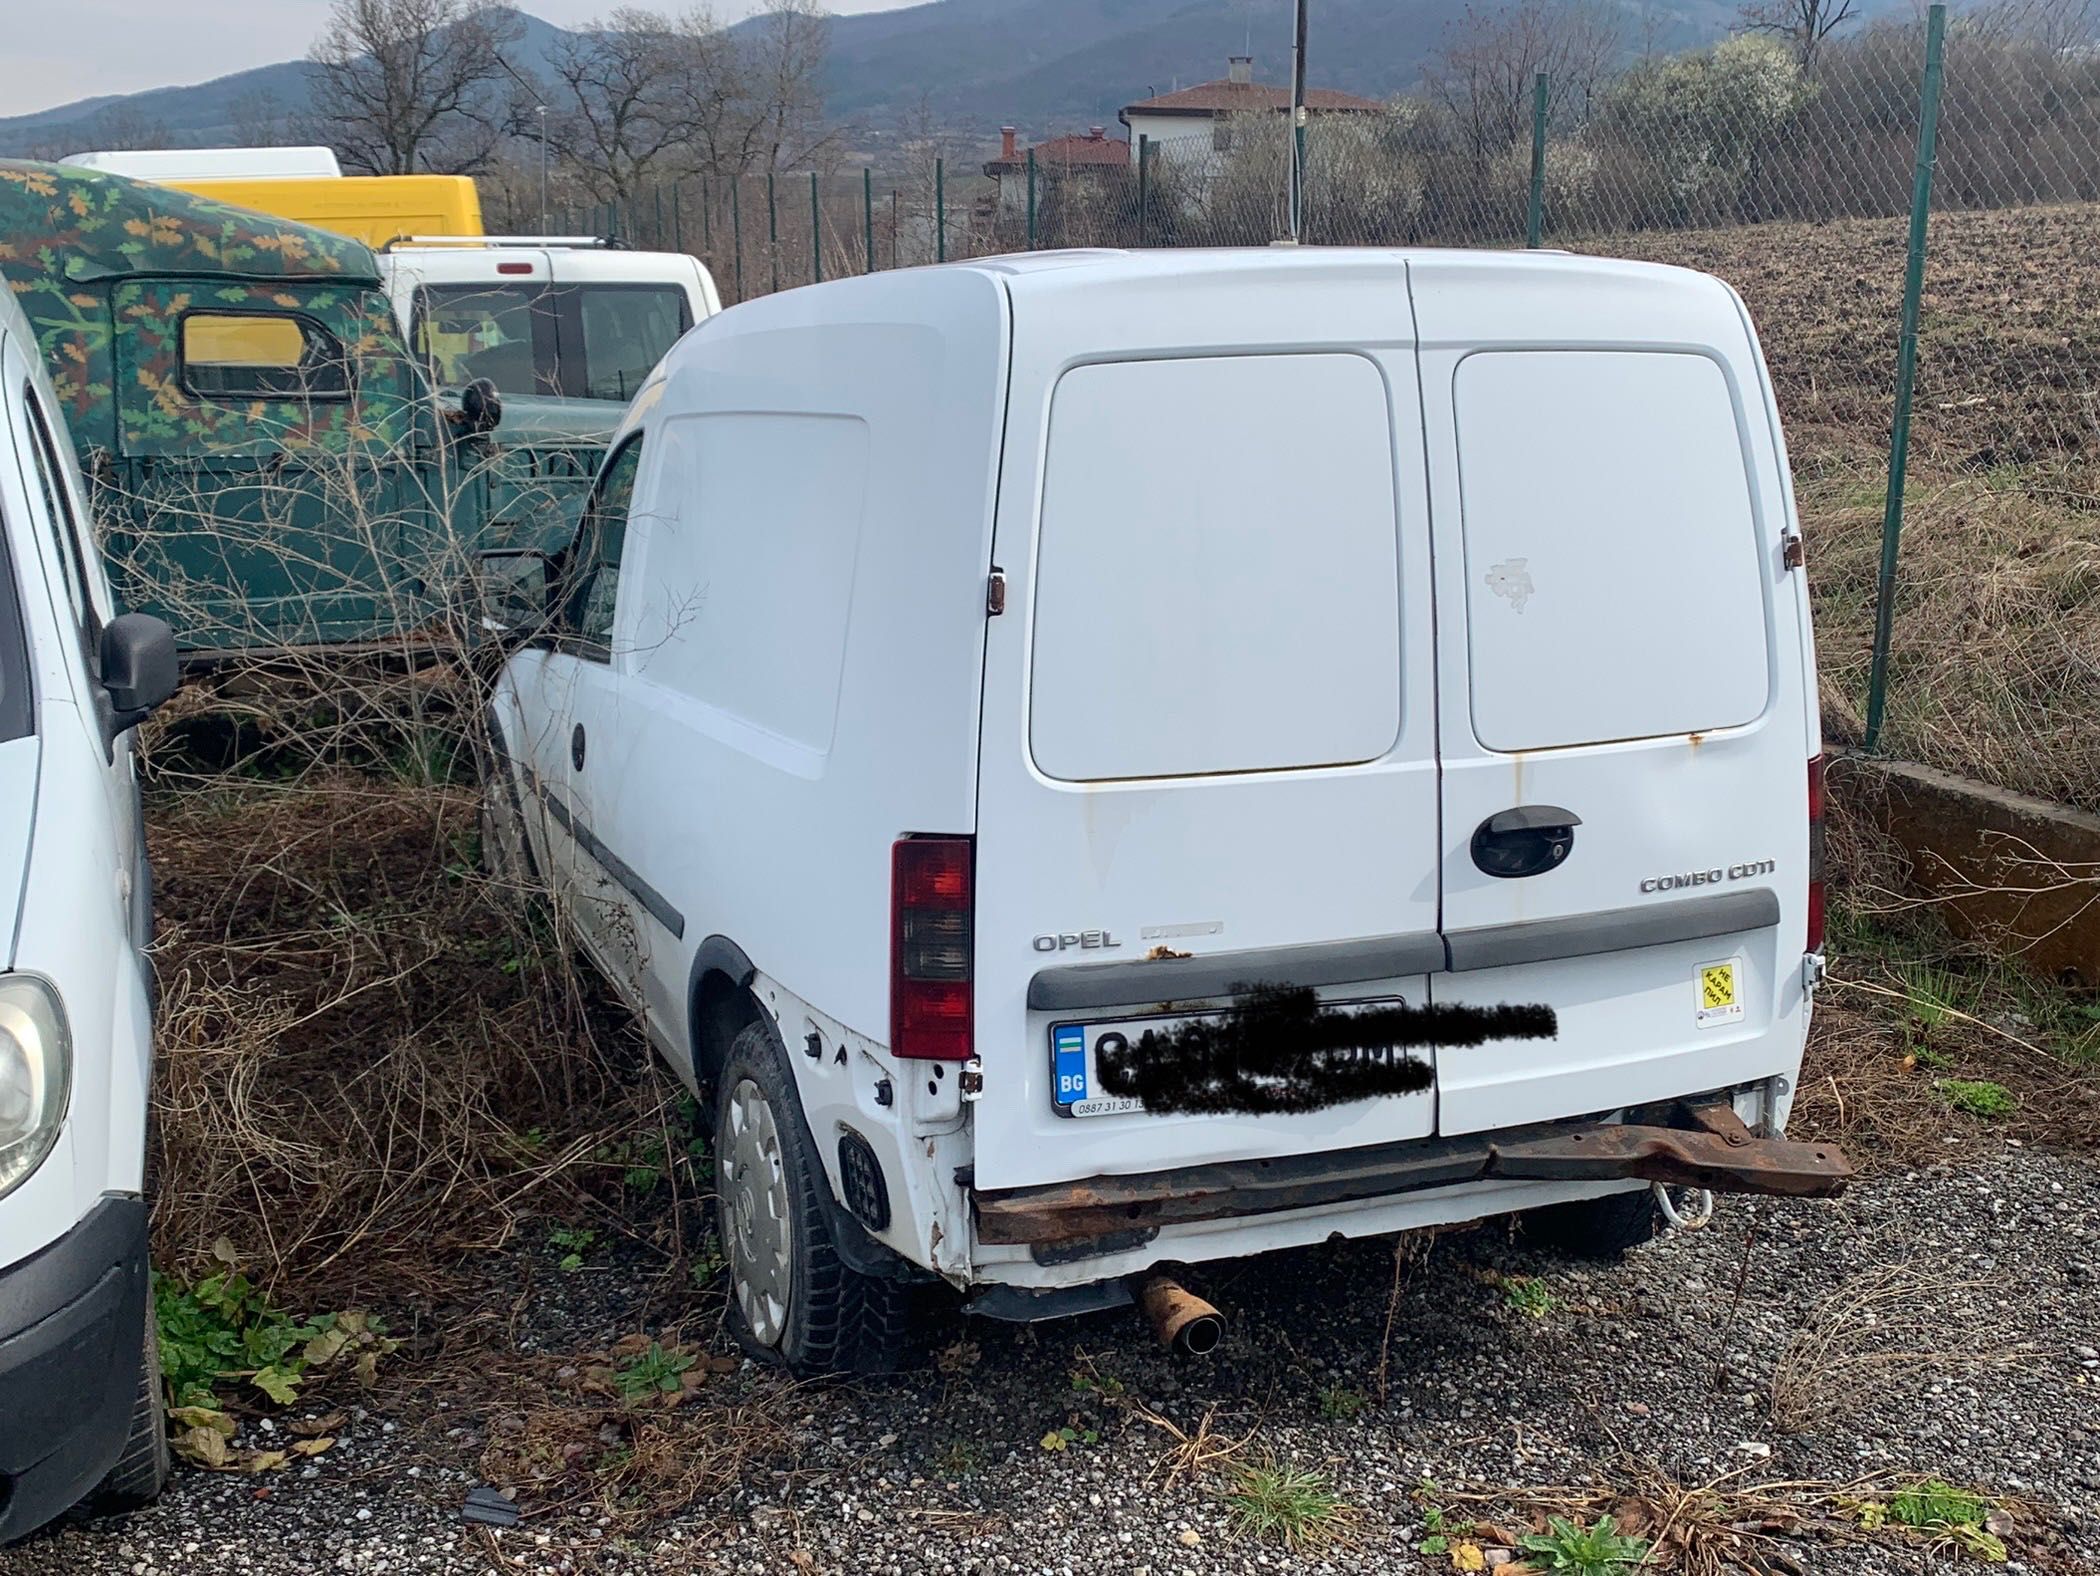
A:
<point x="249" y="355"/>
<point x="585" y="341"/>
<point x="1217" y="575"/>
<point x="1613" y="588"/>
<point x="15" y="713"/>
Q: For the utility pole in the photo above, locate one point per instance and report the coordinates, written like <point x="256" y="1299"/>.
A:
<point x="1298" y="126"/>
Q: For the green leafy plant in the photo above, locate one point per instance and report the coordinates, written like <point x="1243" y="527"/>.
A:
<point x="1598" y="1550"/>
<point x="658" y="1371"/>
<point x="1978" y="1096"/>
<point x="1340" y="1404"/>
<point x="1528" y="1295"/>
<point x="571" y="1242"/>
<point x="1936" y="1509"/>
<point x="222" y="1330"/>
<point x="1289" y="1505"/>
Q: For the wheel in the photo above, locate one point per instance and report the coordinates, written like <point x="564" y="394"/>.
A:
<point x="1596" y="1228"/>
<point x="792" y="1301"/>
<point x="142" y="1470"/>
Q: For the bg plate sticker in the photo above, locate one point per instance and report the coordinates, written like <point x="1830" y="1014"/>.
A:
<point x="1720" y="995"/>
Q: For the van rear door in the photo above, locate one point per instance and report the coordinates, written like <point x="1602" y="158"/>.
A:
<point x="1622" y="667"/>
<point x="1208" y="722"/>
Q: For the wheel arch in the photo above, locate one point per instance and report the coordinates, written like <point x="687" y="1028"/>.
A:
<point x="719" y="1003"/>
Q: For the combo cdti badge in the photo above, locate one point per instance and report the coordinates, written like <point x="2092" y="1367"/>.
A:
<point x="80" y="1401"/>
<point x="1106" y="761"/>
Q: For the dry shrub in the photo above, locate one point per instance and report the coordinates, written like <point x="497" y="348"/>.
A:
<point x="1888" y="1329"/>
<point x="371" y="1060"/>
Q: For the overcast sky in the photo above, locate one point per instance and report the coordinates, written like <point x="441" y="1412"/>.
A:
<point x="55" y="53"/>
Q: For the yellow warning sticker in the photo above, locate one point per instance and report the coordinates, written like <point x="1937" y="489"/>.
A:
<point x="1719" y="995"/>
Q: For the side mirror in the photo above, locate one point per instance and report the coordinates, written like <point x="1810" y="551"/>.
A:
<point x="139" y="669"/>
<point x="480" y="408"/>
<point x="513" y="590"/>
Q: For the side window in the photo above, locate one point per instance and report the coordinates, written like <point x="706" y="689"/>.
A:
<point x="594" y="567"/>
<point x="255" y="355"/>
<point x="68" y="536"/>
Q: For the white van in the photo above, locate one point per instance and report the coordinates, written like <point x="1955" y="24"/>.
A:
<point x="554" y="316"/>
<point x="80" y="1401"/>
<point x="1105" y="761"/>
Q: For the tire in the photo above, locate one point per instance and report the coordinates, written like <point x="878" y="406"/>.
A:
<point x="1596" y="1228"/>
<point x="792" y="1300"/>
<point x="141" y="1471"/>
<point x="506" y="852"/>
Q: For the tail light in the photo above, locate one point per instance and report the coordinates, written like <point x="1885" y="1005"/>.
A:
<point x="1815" y="854"/>
<point x="931" y="899"/>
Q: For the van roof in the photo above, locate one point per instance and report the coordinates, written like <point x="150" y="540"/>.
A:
<point x="107" y="226"/>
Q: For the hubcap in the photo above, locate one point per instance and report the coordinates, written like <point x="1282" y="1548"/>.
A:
<point x="756" y="1230"/>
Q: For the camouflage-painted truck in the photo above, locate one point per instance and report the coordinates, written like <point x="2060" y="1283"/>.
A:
<point x="270" y="466"/>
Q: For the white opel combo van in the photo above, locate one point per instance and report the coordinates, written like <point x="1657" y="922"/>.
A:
<point x="1100" y="762"/>
<point x="80" y="1402"/>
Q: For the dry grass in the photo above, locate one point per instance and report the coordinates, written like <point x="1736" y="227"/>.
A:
<point x="1889" y="1328"/>
<point x="371" y="1062"/>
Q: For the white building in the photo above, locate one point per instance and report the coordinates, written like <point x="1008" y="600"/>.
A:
<point x="1198" y="123"/>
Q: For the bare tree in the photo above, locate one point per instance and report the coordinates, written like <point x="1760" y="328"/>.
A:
<point x="1484" y="72"/>
<point x="126" y="126"/>
<point x="627" y="91"/>
<point x="260" y="119"/>
<point x="1803" y="24"/>
<point x="401" y="86"/>
<point x="789" y="42"/>
<point x="756" y="96"/>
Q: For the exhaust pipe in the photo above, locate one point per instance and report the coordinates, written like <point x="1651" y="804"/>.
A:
<point x="1184" y="1322"/>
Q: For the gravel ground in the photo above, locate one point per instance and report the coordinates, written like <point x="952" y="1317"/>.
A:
<point x="1969" y="1356"/>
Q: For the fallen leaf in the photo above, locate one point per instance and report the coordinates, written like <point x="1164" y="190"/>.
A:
<point x="1488" y="1532"/>
<point x="1053" y="1440"/>
<point x="312" y="1447"/>
<point x="201" y="1417"/>
<point x="368" y="1369"/>
<point x="1467" y="1557"/>
<point x="222" y="1249"/>
<point x="262" y="1461"/>
<point x="309" y="1427"/>
<point x="205" y="1446"/>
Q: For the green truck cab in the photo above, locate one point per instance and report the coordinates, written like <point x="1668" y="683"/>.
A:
<point x="270" y="466"/>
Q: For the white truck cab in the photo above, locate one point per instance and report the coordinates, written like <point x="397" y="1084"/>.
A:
<point x="80" y="1401"/>
<point x="555" y="316"/>
<point x="1108" y="761"/>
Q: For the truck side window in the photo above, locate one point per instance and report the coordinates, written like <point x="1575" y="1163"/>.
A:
<point x="253" y="355"/>
<point x="594" y="567"/>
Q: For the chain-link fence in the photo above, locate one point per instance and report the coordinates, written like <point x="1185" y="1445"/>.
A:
<point x="1793" y="172"/>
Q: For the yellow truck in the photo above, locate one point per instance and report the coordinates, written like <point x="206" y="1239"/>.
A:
<point x="308" y="186"/>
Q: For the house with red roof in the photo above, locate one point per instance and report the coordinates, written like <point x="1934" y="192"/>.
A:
<point x="1202" y="122"/>
<point x="1059" y="159"/>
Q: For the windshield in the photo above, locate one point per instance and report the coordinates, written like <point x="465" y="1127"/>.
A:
<point x="586" y="341"/>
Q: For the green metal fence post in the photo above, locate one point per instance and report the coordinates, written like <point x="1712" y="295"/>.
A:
<point x="1906" y="373"/>
<point x="940" y="210"/>
<point x="1535" y="209"/>
<point x="896" y="230"/>
<point x="707" y="223"/>
<point x="736" y="226"/>
<point x="677" y="223"/>
<point x="867" y="217"/>
<point x="1031" y="199"/>
<point x="816" y="235"/>
<point x="659" y="206"/>
<point x="1144" y="207"/>
<point x="772" y="231"/>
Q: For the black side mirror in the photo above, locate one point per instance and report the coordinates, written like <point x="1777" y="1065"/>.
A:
<point x="480" y="407"/>
<point x="139" y="669"/>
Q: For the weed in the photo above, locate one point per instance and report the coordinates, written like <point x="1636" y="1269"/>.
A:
<point x="1978" y="1096"/>
<point x="1288" y="1505"/>
<point x="1068" y="1436"/>
<point x="571" y="1242"/>
<point x="1340" y="1404"/>
<point x="706" y="1268"/>
<point x="1937" y="1509"/>
<point x="658" y="1371"/>
<point x="223" y="1329"/>
<point x="958" y="1459"/>
<point x="1597" y="1550"/>
<point x="1929" y="996"/>
<point x="1434" y="1521"/>
<point x="1528" y="1295"/>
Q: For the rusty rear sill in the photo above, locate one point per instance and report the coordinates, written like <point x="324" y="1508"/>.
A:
<point x="1690" y="1144"/>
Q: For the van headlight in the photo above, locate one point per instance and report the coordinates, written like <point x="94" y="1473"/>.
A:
<point x="36" y="1075"/>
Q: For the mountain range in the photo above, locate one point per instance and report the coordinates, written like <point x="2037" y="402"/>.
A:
<point x="966" y="65"/>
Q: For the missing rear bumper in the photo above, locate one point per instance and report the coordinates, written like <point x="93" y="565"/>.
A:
<point x="1691" y="1143"/>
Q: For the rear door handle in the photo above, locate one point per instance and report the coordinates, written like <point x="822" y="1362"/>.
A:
<point x="576" y="746"/>
<point x="1526" y="841"/>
